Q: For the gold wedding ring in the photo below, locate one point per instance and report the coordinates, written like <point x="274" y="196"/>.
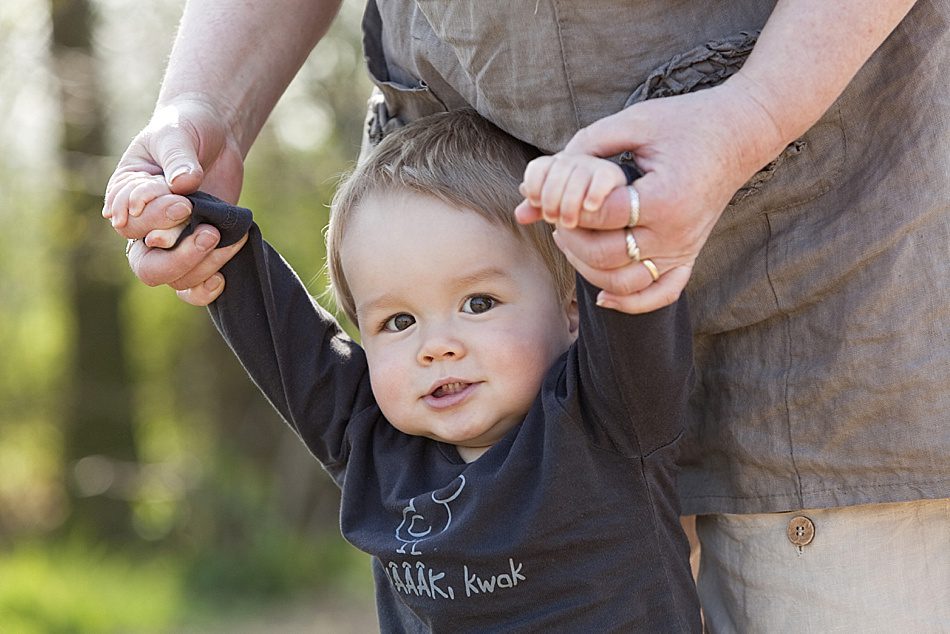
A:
<point x="651" y="267"/>
<point x="632" y="249"/>
<point x="634" y="206"/>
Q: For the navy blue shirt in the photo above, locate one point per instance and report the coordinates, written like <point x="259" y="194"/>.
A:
<point x="569" y="523"/>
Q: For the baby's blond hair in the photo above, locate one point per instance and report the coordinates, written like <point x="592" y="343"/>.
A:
<point x="456" y="157"/>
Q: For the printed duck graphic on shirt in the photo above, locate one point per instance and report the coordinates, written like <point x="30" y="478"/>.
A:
<point x="426" y="516"/>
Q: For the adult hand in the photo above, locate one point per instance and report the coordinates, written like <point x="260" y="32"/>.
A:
<point x="188" y="143"/>
<point x="695" y="151"/>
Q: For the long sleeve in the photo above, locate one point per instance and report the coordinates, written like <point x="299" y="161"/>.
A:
<point x="313" y="374"/>
<point x="634" y="372"/>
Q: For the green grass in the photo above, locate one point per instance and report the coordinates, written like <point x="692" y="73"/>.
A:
<point x="72" y="588"/>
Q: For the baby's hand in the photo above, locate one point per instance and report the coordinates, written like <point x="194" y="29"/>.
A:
<point x="141" y="205"/>
<point x="562" y="186"/>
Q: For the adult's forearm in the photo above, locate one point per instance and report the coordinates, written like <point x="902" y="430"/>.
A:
<point x="808" y="52"/>
<point x="240" y="56"/>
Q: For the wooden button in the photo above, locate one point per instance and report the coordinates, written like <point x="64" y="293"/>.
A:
<point x="801" y="531"/>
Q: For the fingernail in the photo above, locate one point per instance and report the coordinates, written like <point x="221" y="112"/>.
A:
<point x="212" y="283"/>
<point x="205" y="240"/>
<point x="603" y="302"/>
<point x="178" y="211"/>
<point x="180" y="171"/>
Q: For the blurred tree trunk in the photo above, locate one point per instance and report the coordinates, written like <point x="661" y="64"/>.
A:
<point x="100" y="451"/>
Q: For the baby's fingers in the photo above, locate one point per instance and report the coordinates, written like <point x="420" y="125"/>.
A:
<point x="606" y="178"/>
<point x="128" y="195"/>
<point x="552" y="192"/>
<point x="526" y="213"/>
<point x="115" y="185"/>
<point x="165" y="212"/>
<point x="573" y="195"/>
<point x="164" y="238"/>
<point x="144" y="192"/>
<point x="534" y="175"/>
<point x="116" y="208"/>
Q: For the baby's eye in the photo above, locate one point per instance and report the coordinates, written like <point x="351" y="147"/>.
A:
<point x="399" y="322"/>
<point x="478" y="304"/>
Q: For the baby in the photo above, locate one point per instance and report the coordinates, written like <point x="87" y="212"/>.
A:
<point x="505" y="447"/>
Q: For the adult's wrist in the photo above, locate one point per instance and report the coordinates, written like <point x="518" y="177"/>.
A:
<point x="755" y="127"/>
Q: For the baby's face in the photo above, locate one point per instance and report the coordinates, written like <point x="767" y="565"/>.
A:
<point x="459" y="320"/>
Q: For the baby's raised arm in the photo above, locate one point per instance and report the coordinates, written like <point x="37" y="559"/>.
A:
<point x="564" y="186"/>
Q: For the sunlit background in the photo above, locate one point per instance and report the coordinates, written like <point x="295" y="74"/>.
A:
<point x="145" y="486"/>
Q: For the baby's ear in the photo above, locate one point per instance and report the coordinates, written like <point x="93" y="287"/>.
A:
<point x="573" y="316"/>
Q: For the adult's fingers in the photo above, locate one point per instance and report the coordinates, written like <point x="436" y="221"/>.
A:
<point x="164" y="238"/>
<point x="602" y="249"/>
<point x="630" y="278"/>
<point x="162" y="213"/>
<point x="160" y="266"/>
<point x="661" y="293"/>
<point x="608" y="136"/>
<point x="196" y="150"/>
<point x="174" y="143"/>
<point x="207" y="267"/>
<point x="615" y="212"/>
<point x="204" y="293"/>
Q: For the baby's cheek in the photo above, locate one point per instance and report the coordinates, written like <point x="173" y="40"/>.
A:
<point x="390" y="386"/>
<point x="525" y="363"/>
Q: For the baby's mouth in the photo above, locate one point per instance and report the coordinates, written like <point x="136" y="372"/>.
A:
<point x="450" y="393"/>
<point x="449" y="388"/>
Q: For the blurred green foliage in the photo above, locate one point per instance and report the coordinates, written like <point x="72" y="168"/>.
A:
<point x="68" y="587"/>
<point x="73" y="587"/>
<point x="227" y="511"/>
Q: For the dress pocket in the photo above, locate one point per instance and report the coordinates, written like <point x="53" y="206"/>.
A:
<point x="805" y="169"/>
<point x="393" y="104"/>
